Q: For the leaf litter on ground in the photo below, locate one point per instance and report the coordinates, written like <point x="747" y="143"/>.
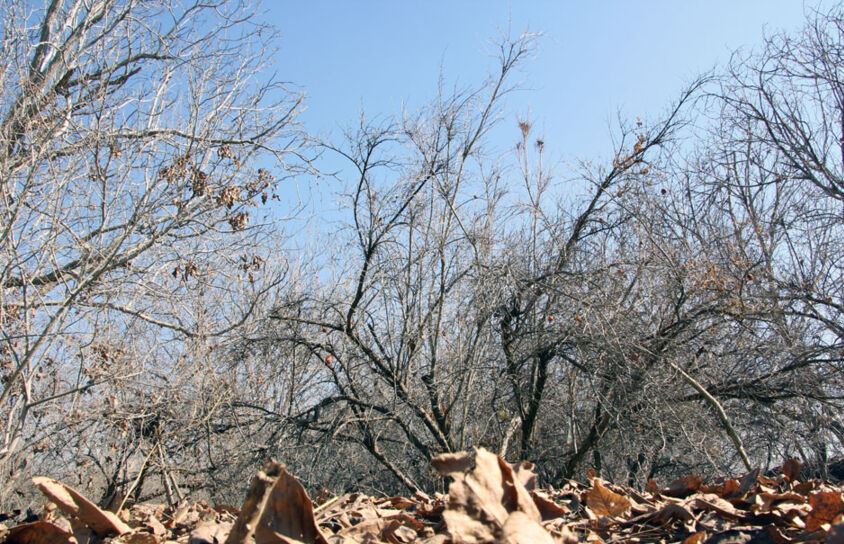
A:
<point x="489" y="500"/>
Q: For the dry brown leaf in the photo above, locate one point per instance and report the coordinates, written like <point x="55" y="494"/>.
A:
<point x="38" y="532"/>
<point x="726" y="490"/>
<point x="548" y="509"/>
<point x="683" y="487"/>
<point x="524" y="473"/>
<point x="826" y="505"/>
<point x="791" y="469"/>
<point x="396" y="533"/>
<point x="521" y="529"/>
<point x="210" y="532"/>
<point x="747" y="483"/>
<point x="710" y="502"/>
<point x="765" y="502"/>
<point x="253" y="506"/>
<point x="391" y="529"/>
<point x="667" y="514"/>
<point x="288" y="515"/>
<point x="806" y="488"/>
<point x="402" y="503"/>
<point x="452" y="463"/>
<point x="696" y="538"/>
<point x="483" y="496"/>
<point x="73" y="503"/>
<point x="139" y="538"/>
<point x="605" y="502"/>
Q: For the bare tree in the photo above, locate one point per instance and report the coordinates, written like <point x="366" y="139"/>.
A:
<point x="135" y="140"/>
<point x="776" y="172"/>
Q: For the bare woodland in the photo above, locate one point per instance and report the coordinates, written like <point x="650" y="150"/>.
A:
<point x="676" y="307"/>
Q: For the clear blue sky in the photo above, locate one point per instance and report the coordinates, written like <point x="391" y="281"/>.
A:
<point x="595" y="57"/>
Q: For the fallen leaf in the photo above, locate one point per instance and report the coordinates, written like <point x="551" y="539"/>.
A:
<point x="765" y="502"/>
<point x="73" y="503"/>
<point x="483" y="497"/>
<point x="521" y="529"/>
<point x="667" y="514"/>
<point x="38" y="532"/>
<point x="452" y="463"/>
<point x="826" y="505"/>
<point x="605" y="502"/>
<point x="252" y="509"/>
<point x="548" y="509"/>
<point x="525" y="474"/>
<point x="683" y="487"/>
<point x="288" y="515"/>
<point x="726" y="490"/>
<point x="791" y="469"/>
<point x="709" y="502"/>
<point x="210" y="532"/>
<point x="396" y="533"/>
<point x="695" y="538"/>
<point x="747" y="483"/>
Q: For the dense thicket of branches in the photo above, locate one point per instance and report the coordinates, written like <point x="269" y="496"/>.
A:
<point x="676" y="308"/>
<point x="130" y="138"/>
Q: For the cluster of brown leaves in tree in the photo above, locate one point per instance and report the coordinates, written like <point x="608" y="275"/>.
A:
<point x="489" y="500"/>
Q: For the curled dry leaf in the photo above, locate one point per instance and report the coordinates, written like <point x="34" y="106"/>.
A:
<point x="525" y="474"/>
<point x="73" y="503"/>
<point x="484" y="495"/>
<point x="259" y="490"/>
<point x="791" y="470"/>
<point x="683" y="487"/>
<point x="521" y="529"/>
<point x="605" y="502"/>
<point x="276" y="510"/>
<point x="38" y="532"/>
<point x="667" y="514"/>
<point x="765" y="501"/>
<point x="288" y="514"/>
<point x="713" y="503"/>
<point x="727" y="489"/>
<point x="548" y="509"/>
<point x="747" y="483"/>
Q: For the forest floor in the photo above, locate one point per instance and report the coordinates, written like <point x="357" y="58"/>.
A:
<point x="489" y="500"/>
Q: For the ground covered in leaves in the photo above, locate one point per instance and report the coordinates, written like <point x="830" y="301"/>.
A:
<point x="489" y="500"/>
